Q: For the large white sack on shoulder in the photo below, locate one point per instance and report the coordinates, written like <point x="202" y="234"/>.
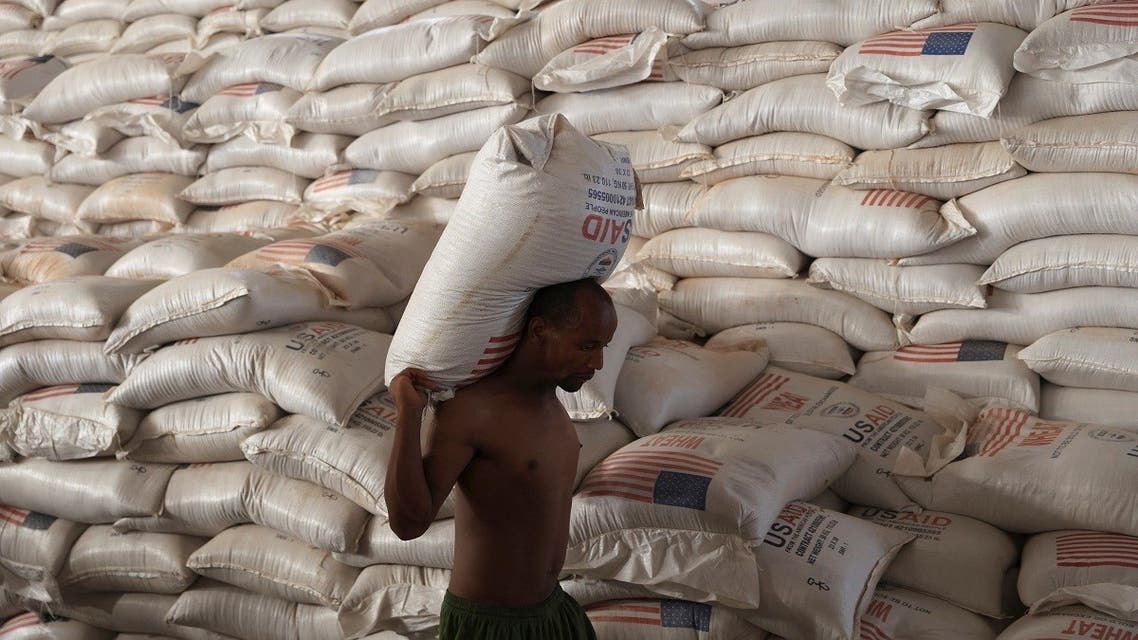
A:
<point x="748" y="66"/>
<point x="407" y="599"/>
<point x="1104" y="407"/>
<point x="152" y="31"/>
<point x="842" y="21"/>
<point x="635" y="619"/>
<point x="132" y="155"/>
<point x="79" y="40"/>
<point x="964" y="67"/>
<point x="655" y="158"/>
<point x="285" y="59"/>
<point x="22" y="79"/>
<point x="708" y="253"/>
<point x="93" y="491"/>
<point x="543" y="172"/>
<point x="106" y="81"/>
<point x="528" y="47"/>
<point x="1024" y="468"/>
<point x="44" y="259"/>
<point x="808" y="546"/>
<point x="275" y="363"/>
<point x="26" y="158"/>
<point x="639" y="107"/>
<point x="891" y="438"/>
<point x="249" y="216"/>
<point x="345" y="110"/>
<point x="900" y="614"/>
<point x="33" y="550"/>
<point x="1072" y="622"/>
<point x="207" y="429"/>
<point x="794" y="346"/>
<point x="805" y="104"/>
<point x="595" y="400"/>
<point x="901" y="290"/>
<point x="1080" y="567"/>
<point x="139" y="196"/>
<point x="364" y="191"/>
<point x="669" y="380"/>
<point x="1105" y="142"/>
<point x="1038" y="206"/>
<point x="373" y="14"/>
<point x="46" y="363"/>
<point x="608" y="62"/>
<point x="715" y="304"/>
<point x="260" y="560"/>
<point x="105" y="560"/>
<point x="971" y="369"/>
<point x="84" y="308"/>
<point x="1087" y="357"/>
<point x="783" y="153"/>
<point x="255" y="109"/>
<point x="178" y="255"/>
<point x="705" y="493"/>
<point x="1018" y="318"/>
<point x="206" y="499"/>
<point x="235" y="612"/>
<point x="666" y="207"/>
<point x="413" y="146"/>
<point x="41" y="198"/>
<point x="139" y="9"/>
<point x="464" y="87"/>
<point x="162" y="117"/>
<point x="244" y="184"/>
<point x="297" y="14"/>
<point x="380" y="545"/>
<point x="445" y="178"/>
<point x="955" y="558"/>
<point x="69" y="422"/>
<point x="826" y="220"/>
<point x="1093" y="43"/>
<point x="943" y="173"/>
<point x="308" y="155"/>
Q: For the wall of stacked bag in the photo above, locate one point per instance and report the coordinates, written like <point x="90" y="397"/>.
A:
<point x="879" y="308"/>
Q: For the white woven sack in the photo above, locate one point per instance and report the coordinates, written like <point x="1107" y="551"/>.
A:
<point x="669" y="380"/>
<point x="679" y="512"/>
<point x="140" y="196"/>
<point x="298" y="14"/>
<point x="373" y="14"/>
<point x="639" y="107"/>
<point x="84" y="308"/>
<point x="599" y="439"/>
<point x="143" y="614"/>
<point x="1105" y="142"/>
<point x="891" y="438"/>
<point x="205" y="499"/>
<point x="807" y="545"/>
<point x="595" y="400"/>
<point x="1093" y="569"/>
<point x="1037" y="206"/>
<point x="140" y="229"/>
<point x="1087" y="357"/>
<point x="79" y="10"/>
<point x="361" y="190"/>
<point x="25" y="42"/>
<point x="255" y="109"/>
<point x="102" y="82"/>
<point x="308" y="155"/>
<point x="201" y="430"/>
<point x="345" y="110"/>
<point x="666" y="207"/>
<point x="1093" y="43"/>
<point x="406" y="599"/>
<point x="260" y="560"/>
<point x="715" y="304"/>
<point x="943" y="173"/>
<point x="21" y="80"/>
<point x="228" y="20"/>
<point x="47" y="363"/>
<point x="162" y="117"/>
<point x="15" y="17"/>
<point x="464" y="87"/>
<point x="44" y="259"/>
<point x="400" y="51"/>
<point x="27" y="157"/>
<point x="445" y="178"/>
<point x="655" y="158"/>
<point x="68" y="422"/>
<point x="1023" y="468"/>
<point x="1024" y="318"/>
<point x="178" y="255"/>
<point x="82" y="137"/>
<point x="150" y="32"/>
<point x="105" y="560"/>
<point x="231" y="611"/>
<point x="901" y="614"/>
<point x="93" y="491"/>
<point x="708" y="253"/>
<point x="285" y="59"/>
<point x="794" y="346"/>
<point x="139" y="9"/>
<point x="586" y="223"/>
<point x="244" y="184"/>
<point x="842" y="21"/>
<point x="1070" y="621"/>
<point x="1104" y="407"/>
<point x="784" y="153"/>
<point x="954" y="558"/>
<point x="804" y="104"/>
<point x="380" y="546"/>
<point x="901" y="290"/>
<point x="413" y="146"/>
<point x="748" y="66"/>
<point x="964" y="67"/>
<point x="43" y="199"/>
<point x="527" y="48"/>
<point x="33" y="550"/>
<point x="970" y="369"/>
<point x="603" y="63"/>
<point x="825" y="220"/>
<point x="648" y="619"/>
<point x="132" y="155"/>
<point x="79" y="40"/>
<point x="250" y="216"/>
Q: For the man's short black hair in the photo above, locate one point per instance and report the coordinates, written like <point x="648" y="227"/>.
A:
<point x="557" y="304"/>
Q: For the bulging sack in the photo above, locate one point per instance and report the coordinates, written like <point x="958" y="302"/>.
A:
<point x="445" y="178"/>
<point x="1093" y="569"/>
<point x="67" y="422"/>
<point x="257" y="215"/>
<point x="406" y="599"/>
<point x="639" y="107"/>
<point x="363" y="191"/>
<point x="782" y="153"/>
<point x="793" y="346"/>
<point x="47" y="363"/>
<point x="464" y="87"/>
<point x="256" y="110"/>
<point x="942" y="173"/>
<point x="1073" y="622"/>
<point x="1103" y="142"/>
<point x="1092" y="43"/>
<point x="346" y="110"/>
<point x="373" y="14"/>
<point x="244" y="184"/>
<point x="748" y="66"/>
<point x="612" y="61"/>
<point x="144" y="154"/>
<point x="153" y="31"/>
<point x="300" y="14"/>
<point x="288" y="59"/>
<point x="1088" y="357"/>
<point x="235" y="612"/>
<point x="92" y="491"/>
<point x="901" y="290"/>
<point x="162" y="117"/>
<point x="84" y="308"/>
<point x="901" y="614"/>
<point x="581" y="192"/>
<point x="308" y="155"/>
<point x="178" y="255"/>
<point x="666" y="207"/>
<point x="105" y="81"/>
<point x="207" y="429"/>
<point x="22" y="79"/>
<point x="38" y="197"/>
<point x="141" y="196"/>
<point x="103" y="559"/>
<point x="1091" y="406"/>
<point x="654" y="157"/>
<point x="27" y="158"/>
<point x="33" y="549"/>
<point x="380" y="546"/>
<point x="709" y="253"/>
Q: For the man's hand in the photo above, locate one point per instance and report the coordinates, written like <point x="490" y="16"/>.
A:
<point x="409" y="391"/>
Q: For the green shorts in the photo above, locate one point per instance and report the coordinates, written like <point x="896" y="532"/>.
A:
<point x="558" y="617"/>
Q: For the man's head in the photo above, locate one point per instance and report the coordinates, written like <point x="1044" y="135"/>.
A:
<point x="567" y="328"/>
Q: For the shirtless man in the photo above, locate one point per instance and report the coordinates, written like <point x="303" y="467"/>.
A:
<point x="511" y="448"/>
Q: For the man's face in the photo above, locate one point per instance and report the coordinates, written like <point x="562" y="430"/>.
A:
<point x="575" y="351"/>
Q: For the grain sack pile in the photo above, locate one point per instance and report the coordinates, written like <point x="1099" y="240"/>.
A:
<point x="874" y="273"/>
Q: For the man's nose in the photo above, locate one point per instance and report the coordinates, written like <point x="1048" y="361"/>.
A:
<point x="598" y="361"/>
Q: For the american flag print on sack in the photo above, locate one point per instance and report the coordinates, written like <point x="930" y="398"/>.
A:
<point x="24" y="518"/>
<point x="891" y="198"/>
<point x="250" y="89"/>
<point x="968" y="351"/>
<point x="666" y="614"/>
<point x="941" y="41"/>
<point x="498" y="350"/>
<point x="344" y="179"/>
<point x="671" y="478"/>
<point x="761" y="389"/>
<point x="1092" y="549"/>
<point x="21" y="621"/>
<point x="604" y="46"/>
<point x="1118" y="14"/>
<point x="307" y="251"/>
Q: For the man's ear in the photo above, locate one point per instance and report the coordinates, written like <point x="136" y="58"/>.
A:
<point x="537" y="328"/>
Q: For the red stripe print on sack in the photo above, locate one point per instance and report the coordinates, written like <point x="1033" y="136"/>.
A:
<point x="11" y="69"/>
<point x="994" y="431"/>
<point x="249" y="89"/>
<point x="890" y="198"/>
<point x="21" y="621"/>
<point x="940" y="41"/>
<point x="672" y="614"/>
<point x="498" y="350"/>
<point x="1092" y="549"/>
<point x="670" y="478"/>
<point x="12" y="515"/>
<point x="759" y="391"/>
<point x="287" y="252"/>
<point x="601" y="46"/>
<point x="50" y="392"/>
<point x="1118" y="14"/>
<point x="870" y="631"/>
<point x="344" y="179"/>
<point x="969" y="351"/>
